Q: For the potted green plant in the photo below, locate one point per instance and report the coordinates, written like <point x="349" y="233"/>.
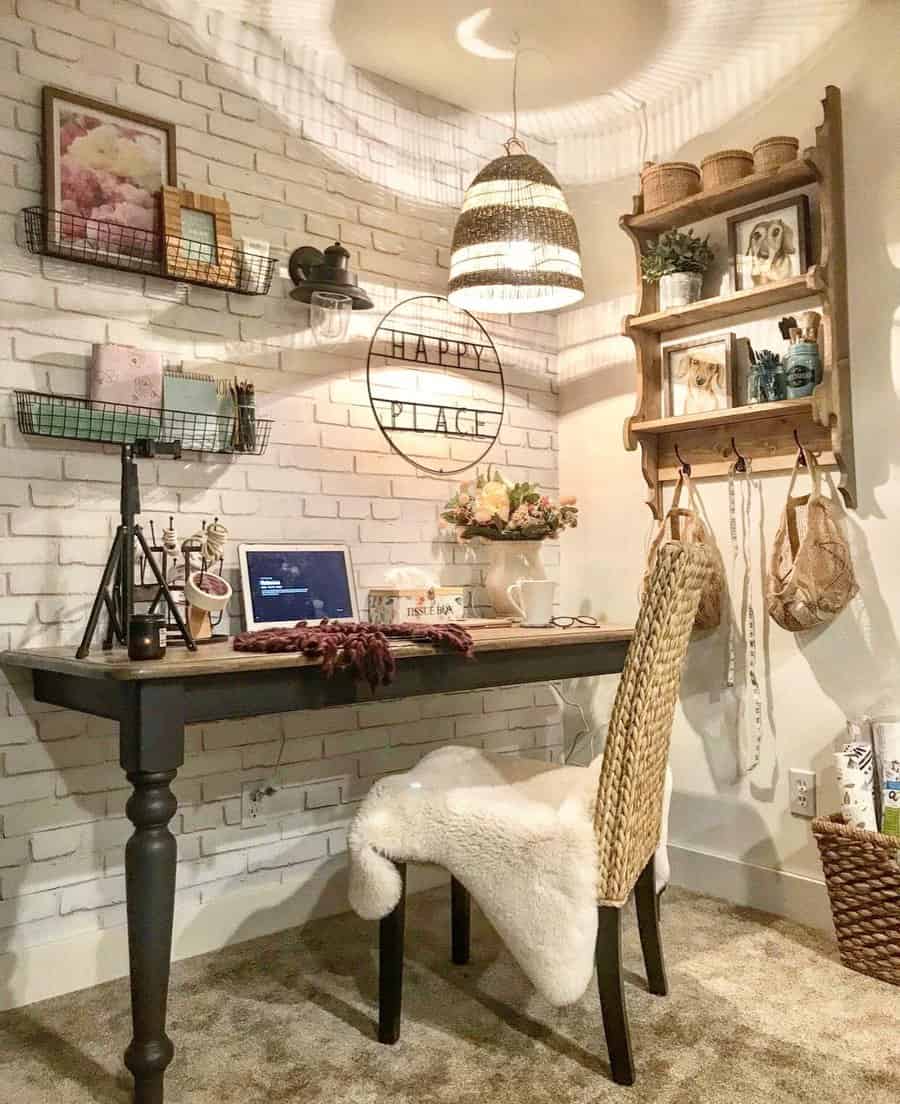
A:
<point x="677" y="261"/>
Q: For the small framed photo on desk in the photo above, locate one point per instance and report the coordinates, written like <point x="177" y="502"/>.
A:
<point x="198" y="237"/>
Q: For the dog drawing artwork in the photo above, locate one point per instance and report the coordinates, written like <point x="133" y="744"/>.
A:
<point x="699" y="378"/>
<point x="771" y="251"/>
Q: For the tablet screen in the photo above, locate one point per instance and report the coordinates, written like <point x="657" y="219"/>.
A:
<point x="289" y="585"/>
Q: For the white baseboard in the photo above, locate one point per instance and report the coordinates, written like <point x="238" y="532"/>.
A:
<point x="793" y="896"/>
<point x="51" y="969"/>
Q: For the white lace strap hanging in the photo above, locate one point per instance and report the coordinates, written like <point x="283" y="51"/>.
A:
<point x="744" y="603"/>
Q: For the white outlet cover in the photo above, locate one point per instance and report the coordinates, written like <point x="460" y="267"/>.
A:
<point x="276" y="800"/>
<point x="802" y="792"/>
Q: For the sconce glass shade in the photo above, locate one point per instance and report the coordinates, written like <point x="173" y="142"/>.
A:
<point x="329" y="316"/>
<point x="515" y="247"/>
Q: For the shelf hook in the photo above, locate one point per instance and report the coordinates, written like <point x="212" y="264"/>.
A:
<point x="741" y="462"/>
<point x="802" y="458"/>
<point x="685" y="466"/>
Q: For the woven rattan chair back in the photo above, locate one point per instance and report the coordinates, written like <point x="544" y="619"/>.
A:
<point x="629" y="805"/>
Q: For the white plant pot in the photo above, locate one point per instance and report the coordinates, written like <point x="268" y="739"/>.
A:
<point x="510" y="562"/>
<point x="679" y="288"/>
<point x="212" y="603"/>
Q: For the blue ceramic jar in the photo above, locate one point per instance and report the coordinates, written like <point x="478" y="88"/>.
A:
<point x="803" y="369"/>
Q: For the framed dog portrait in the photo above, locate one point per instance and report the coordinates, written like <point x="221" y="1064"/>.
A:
<point x="104" y="170"/>
<point x="697" y="375"/>
<point x="770" y="243"/>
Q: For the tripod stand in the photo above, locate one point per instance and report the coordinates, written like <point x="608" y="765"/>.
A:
<point x="116" y="591"/>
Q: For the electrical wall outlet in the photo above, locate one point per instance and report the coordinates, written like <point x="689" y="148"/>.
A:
<point x="803" y="792"/>
<point x="257" y="803"/>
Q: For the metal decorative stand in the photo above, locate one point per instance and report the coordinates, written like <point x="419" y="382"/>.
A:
<point x="171" y="564"/>
<point x="116" y="591"/>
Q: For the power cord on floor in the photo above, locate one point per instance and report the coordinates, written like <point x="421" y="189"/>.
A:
<point x="586" y="730"/>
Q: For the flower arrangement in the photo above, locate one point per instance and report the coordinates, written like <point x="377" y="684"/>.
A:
<point x="493" y="508"/>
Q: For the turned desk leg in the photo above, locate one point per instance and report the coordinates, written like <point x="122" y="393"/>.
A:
<point x="152" y="748"/>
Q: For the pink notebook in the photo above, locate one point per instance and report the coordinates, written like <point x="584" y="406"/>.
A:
<point x="123" y="374"/>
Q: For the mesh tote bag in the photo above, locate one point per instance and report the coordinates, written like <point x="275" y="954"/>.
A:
<point x="811" y="575"/>
<point x="683" y="523"/>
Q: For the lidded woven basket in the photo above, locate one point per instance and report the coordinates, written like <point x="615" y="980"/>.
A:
<point x="725" y="167"/>
<point x="772" y="153"/>
<point x="862" y="873"/>
<point x="668" y="182"/>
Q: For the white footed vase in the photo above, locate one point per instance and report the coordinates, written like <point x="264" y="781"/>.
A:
<point x="511" y="561"/>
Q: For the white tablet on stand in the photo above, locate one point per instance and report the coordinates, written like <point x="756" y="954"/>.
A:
<point x="282" y="584"/>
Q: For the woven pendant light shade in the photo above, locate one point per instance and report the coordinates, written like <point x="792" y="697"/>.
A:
<point x="515" y="246"/>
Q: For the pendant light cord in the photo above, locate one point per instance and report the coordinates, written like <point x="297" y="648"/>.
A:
<point x="515" y="90"/>
<point x="515" y="139"/>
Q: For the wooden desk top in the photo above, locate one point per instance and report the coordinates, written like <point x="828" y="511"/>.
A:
<point x="222" y="659"/>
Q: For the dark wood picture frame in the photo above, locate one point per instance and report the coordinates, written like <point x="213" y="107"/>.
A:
<point x="799" y="203"/>
<point x="730" y="342"/>
<point x="185" y="259"/>
<point x="51" y="94"/>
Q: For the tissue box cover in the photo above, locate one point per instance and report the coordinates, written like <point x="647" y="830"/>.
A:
<point x="435" y="605"/>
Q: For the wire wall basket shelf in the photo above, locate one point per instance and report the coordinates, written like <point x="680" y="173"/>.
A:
<point x="68" y="237"/>
<point x="70" y="418"/>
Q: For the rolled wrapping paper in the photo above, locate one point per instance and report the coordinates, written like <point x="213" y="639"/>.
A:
<point x="855" y="771"/>
<point x="887" y="751"/>
<point x="859" y="731"/>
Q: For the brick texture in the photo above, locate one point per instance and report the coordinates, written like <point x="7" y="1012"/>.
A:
<point x="299" y="158"/>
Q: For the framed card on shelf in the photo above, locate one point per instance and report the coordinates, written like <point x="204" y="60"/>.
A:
<point x="198" y="238"/>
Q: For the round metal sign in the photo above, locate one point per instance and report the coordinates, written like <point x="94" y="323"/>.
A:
<point x="435" y="385"/>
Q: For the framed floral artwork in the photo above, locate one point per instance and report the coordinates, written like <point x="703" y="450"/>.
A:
<point x="104" y="171"/>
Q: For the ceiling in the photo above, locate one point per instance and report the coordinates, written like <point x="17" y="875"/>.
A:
<point x="460" y="52"/>
<point x="611" y="82"/>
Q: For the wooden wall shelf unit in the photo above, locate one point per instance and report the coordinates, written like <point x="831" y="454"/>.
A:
<point x="763" y="433"/>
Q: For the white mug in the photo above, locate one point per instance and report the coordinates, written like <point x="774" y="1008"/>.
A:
<point x="533" y="598"/>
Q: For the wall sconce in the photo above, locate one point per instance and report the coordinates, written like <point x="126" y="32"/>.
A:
<point x="325" y="282"/>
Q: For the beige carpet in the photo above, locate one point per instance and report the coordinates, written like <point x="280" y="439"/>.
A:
<point x="760" y="1011"/>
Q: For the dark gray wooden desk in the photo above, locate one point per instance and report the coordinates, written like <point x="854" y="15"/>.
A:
<point x="153" y="701"/>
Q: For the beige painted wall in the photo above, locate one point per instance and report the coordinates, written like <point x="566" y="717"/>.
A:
<point x="812" y="681"/>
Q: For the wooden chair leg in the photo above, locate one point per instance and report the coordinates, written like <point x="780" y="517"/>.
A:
<point x="390" y="967"/>
<point x="460" y="923"/>
<point x="647" y="904"/>
<point x="610" y="983"/>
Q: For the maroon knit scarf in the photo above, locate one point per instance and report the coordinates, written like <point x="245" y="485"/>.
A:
<point x="356" y="646"/>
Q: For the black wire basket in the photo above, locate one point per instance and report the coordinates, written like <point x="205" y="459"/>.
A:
<point x="131" y="249"/>
<point x="74" y="419"/>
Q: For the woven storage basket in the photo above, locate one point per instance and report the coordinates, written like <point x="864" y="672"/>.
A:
<point x="772" y="153"/>
<point x="863" y="878"/>
<point x="725" y="167"/>
<point x="668" y="182"/>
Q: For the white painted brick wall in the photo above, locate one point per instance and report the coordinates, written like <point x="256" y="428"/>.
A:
<point x="301" y="156"/>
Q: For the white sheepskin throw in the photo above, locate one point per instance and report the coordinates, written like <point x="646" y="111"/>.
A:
<point x="517" y="833"/>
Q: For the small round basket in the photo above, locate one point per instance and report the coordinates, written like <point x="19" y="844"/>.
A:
<point x="771" y="153"/>
<point x="668" y="183"/>
<point x="725" y="167"/>
<point x="862" y="873"/>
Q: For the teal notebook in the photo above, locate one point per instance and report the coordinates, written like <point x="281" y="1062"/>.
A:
<point x="62" y="418"/>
